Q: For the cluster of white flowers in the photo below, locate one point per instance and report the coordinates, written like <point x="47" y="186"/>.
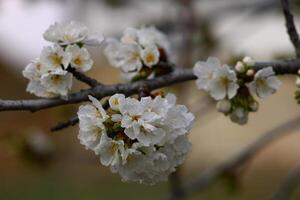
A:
<point x="235" y="88"/>
<point x="48" y="74"/>
<point x="142" y="140"/>
<point x="138" y="52"/>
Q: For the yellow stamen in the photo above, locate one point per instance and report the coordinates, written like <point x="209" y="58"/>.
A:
<point x="150" y="58"/>
<point x="78" y="61"/>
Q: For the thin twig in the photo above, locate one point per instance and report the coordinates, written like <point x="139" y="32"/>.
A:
<point x="61" y="125"/>
<point x="288" y="186"/>
<point x="82" y="77"/>
<point x="211" y="175"/>
<point x="290" y="25"/>
<point x="178" y="75"/>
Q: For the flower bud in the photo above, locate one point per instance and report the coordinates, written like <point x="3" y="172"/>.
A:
<point x="250" y="72"/>
<point x="239" y="67"/>
<point x="298" y="81"/>
<point x="254" y="106"/>
<point x="224" y="106"/>
<point x="249" y="61"/>
<point x="240" y="116"/>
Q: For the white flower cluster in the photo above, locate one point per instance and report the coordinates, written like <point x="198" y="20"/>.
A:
<point x="48" y="75"/>
<point x="234" y="88"/>
<point x="138" y="52"/>
<point x="142" y="140"/>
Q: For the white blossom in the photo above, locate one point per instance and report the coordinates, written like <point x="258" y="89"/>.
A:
<point x="54" y="58"/>
<point x="124" y="56"/>
<point x="265" y="83"/>
<point x="130" y="36"/>
<point x="138" y="122"/>
<point x="223" y="84"/>
<point x="150" y="55"/>
<point x="57" y="82"/>
<point x="81" y="58"/>
<point x="72" y="32"/>
<point x="204" y="72"/>
<point x="91" y="127"/>
<point x="109" y="150"/>
<point x="152" y="36"/>
<point x="33" y="72"/>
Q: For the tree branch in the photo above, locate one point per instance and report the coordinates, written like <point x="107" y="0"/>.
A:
<point x="290" y="25"/>
<point x="211" y="175"/>
<point x="82" y="77"/>
<point x="100" y="91"/>
<point x="286" y="189"/>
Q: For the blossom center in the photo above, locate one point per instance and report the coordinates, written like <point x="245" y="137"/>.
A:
<point x="150" y="58"/>
<point x="113" y="148"/>
<point x="260" y="82"/>
<point x="56" y="59"/>
<point x="78" y="60"/>
<point x="225" y="81"/>
<point x="115" y="101"/>
<point x="56" y="79"/>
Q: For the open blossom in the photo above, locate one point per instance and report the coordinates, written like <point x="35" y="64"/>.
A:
<point x="142" y="140"/>
<point x="130" y="59"/>
<point x="224" y="83"/>
<point x="70" y="33"/>
<point x="91" y="118"/>
<point x="110" y="150"/>
<point x="137" y="50"/>
<point x="219" y="81"/>
<point x="130" y="36"/>
<point x="204" y="72"/>
<point x="47" y="77"/>
<point x="81" y="58"/>
<point x="152" y="36"/>
<point x="57" y="82"/>
<point x="33" y="72"/>
<point x="265" y="83"/>
<point x="54" y="58"/>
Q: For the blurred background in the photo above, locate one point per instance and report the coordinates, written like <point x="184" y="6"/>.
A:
<point x="37" y="164"/>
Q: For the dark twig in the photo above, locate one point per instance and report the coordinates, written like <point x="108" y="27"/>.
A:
<point x="211" y="175"/>
<point x="290" y="25"/>
<point x="178" y="75"/>
<point x="61" y="125"/>
<point x="289" y="185"/>
<point x="82" y="77"/>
